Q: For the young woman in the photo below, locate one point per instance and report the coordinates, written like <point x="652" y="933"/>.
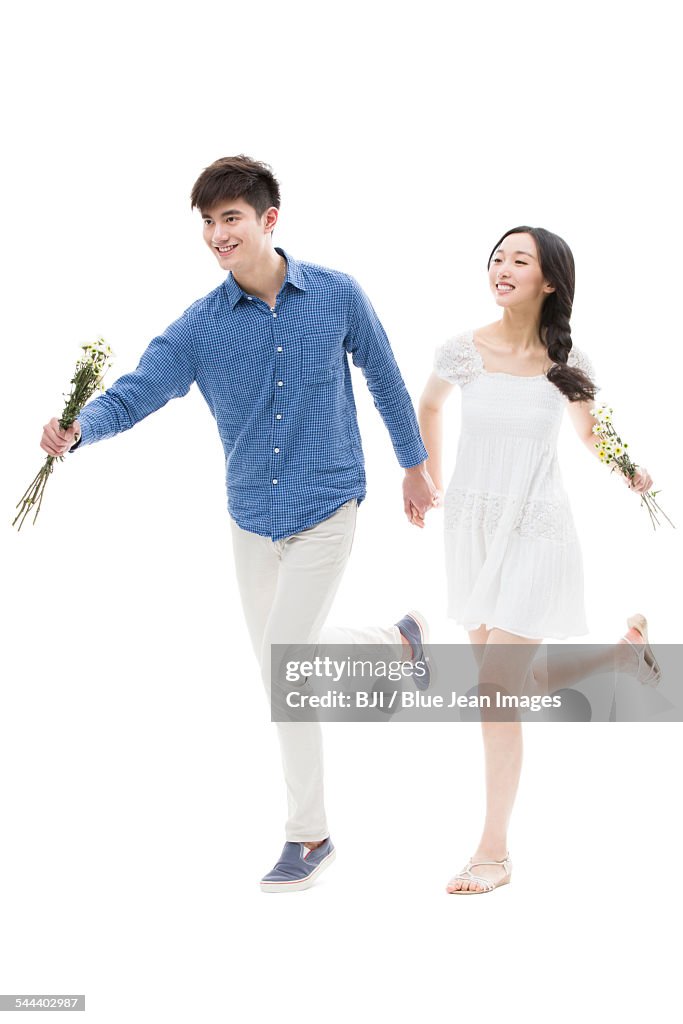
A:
<point x="512" y="556"/>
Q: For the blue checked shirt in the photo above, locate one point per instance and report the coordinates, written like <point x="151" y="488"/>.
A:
<point x="279" y="387"/>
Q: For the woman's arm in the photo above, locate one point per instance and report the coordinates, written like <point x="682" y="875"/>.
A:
<point x="583" y="423"/>
<point x="430" y="418"/>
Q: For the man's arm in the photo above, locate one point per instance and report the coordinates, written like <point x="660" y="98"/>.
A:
<point x="369" y="346"/>
<point x="166" y="370"/>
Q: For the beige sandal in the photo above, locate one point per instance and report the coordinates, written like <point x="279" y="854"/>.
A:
<point x="466" y="876"/>
<point x="649" y="673"/>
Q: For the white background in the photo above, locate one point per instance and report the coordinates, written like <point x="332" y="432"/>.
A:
<point x="141" y="797"/>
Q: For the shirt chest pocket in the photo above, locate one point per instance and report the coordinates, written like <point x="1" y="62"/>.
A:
<point x="322" y="358"/>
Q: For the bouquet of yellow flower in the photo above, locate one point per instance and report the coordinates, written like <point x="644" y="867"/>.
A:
<point x="613" y="451"/>
<point x="87" y="379"/>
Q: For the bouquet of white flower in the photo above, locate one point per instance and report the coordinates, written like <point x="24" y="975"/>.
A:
<point x="613" y="451"/>
<point x="87" y="379"/>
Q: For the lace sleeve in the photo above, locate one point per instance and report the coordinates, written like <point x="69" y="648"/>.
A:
<point x="457" y="360"/>
<point x="580" y="361"/>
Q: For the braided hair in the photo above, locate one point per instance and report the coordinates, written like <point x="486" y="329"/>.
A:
<point x="557" y="266"/>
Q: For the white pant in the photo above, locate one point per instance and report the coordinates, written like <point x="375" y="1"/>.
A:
<point x="287" y="587"/>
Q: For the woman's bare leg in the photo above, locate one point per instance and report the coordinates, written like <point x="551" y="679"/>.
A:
<point x="503" y="740"/>
<point x="565" y="665"/>
<point x="502" y="745"/>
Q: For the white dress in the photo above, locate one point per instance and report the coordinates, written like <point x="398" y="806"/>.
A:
<point x="513" y="559"/>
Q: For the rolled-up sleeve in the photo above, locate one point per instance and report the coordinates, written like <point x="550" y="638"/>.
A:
<point x="367" y="342"/>
<point x="166" y="370"/>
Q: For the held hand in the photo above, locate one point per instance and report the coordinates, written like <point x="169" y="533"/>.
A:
<point x="419" y="494"/>
<point x="56" y="441"/>
<point x="641" y="482"/>
<point x="416" y="519"/>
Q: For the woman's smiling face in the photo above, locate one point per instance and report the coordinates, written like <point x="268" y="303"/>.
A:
<point x="515" y="275"/>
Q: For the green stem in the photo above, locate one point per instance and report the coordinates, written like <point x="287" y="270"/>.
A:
<point x="34" y="492"/>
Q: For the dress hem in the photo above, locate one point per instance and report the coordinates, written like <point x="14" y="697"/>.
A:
<point x="517" y="632"/>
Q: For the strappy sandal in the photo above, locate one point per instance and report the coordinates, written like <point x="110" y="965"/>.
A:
<point x="488" y="886"/>
<point x="649" y="673"/>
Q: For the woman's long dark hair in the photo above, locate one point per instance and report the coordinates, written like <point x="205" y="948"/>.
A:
<point x="557" y="266"/>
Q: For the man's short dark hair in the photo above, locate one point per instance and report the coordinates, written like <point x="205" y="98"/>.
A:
<point x="236" y="177"/>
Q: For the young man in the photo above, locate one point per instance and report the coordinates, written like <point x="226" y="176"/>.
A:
<point x="269" y="351"/>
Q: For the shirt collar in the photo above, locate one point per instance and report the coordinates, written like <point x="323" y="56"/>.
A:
<point x="294" y="276"/>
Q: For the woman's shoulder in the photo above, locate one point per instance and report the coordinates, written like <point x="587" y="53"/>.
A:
<point x="457" y="359"/>
<point x="578" y="360"/>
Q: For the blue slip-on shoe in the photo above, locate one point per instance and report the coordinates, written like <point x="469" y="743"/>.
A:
<point x="413" y="625"/>
<point x="298" y="867"/>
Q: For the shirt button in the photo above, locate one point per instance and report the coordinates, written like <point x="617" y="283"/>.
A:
<point x="274" y="481"/>
<point x="279" y="383"/>
<point x="274" y="316"/>
<point x="276" y="450"/>
<point x="250" y="298"/>
<point x="279" y="348"/>
<point x="278" y="415"/>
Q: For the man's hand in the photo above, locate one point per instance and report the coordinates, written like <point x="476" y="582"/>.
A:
<point x="56" y="441"/>
<point x="419" y="494"/>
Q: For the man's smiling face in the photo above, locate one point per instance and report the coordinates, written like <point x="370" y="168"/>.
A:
<point x="236" y="235"/>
